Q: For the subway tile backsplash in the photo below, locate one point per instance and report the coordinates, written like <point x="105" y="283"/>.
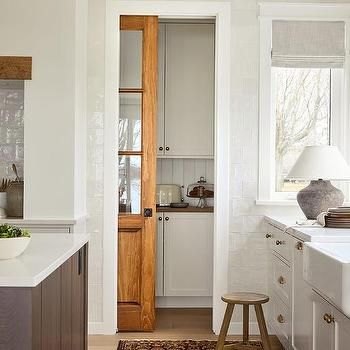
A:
<point x="11" y="127"/>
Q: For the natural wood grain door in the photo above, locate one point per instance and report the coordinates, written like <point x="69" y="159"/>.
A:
<point x="137" y="172"/>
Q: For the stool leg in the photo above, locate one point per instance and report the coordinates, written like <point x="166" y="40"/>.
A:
<point x="262" y="327"/>
<point x="224" y="327"/>
<point x="245" y="324"/>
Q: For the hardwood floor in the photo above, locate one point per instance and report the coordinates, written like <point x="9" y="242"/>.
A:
<point x="171" y="324"/>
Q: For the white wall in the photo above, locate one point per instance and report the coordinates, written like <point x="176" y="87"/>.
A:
<point x="95" y="132"/>
<point x="48" y="30"/>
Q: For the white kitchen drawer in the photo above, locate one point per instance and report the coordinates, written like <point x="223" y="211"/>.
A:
<point x="282" y="279"/>
<point x="280" y="320"/>
<point x="281" y="243"/>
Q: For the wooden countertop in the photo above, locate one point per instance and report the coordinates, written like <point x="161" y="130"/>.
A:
<point x="185" y="210"/>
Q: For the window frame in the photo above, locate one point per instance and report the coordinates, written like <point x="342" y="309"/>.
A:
<point x="339" y="96"/>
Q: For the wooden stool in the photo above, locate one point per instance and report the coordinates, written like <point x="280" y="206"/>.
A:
<point x="244" y="299"/>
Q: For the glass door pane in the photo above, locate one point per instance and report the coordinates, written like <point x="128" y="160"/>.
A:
<point x="130" y="122"/>
<point x="130" y="184"/>
<point x="131" y="59"/>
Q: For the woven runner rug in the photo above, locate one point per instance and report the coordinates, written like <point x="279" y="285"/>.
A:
<point x="181" y="345"/>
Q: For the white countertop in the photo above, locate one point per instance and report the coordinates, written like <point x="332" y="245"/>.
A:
<point x="20" y="221"/>
<point x="45" y="253"/>
<point x="314" y="233"/>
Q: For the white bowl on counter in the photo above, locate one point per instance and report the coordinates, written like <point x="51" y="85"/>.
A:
<point x="12" y="247"/>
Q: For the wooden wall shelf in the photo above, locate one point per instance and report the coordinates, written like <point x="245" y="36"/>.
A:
<point x="15" y="68"/>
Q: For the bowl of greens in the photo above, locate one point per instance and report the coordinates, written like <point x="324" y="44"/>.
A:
<point x="13" y="241"/>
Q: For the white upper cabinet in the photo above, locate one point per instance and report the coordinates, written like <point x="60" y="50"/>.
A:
<point x="186" y="90"/>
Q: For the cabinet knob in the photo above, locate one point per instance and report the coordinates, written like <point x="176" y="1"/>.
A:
<point x="160" y="218"/>
<point x="161" y="148"/>
<point x="167" y="148"/>
<point x="328" y="318"/>
<point x="278" y="242"/>
<point x="280" y="319"/>
<point x="166" y="218"/>
<point x="281" y="280"/>
<point x="299" y="246"/>
<point x="268" y="235"/>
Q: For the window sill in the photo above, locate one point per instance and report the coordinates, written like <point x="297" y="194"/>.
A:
<point x="278" y="202"/>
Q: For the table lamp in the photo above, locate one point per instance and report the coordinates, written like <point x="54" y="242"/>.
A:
<point x="320" y="164"/>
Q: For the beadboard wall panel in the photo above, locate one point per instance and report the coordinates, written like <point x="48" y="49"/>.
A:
<point x="184" y="172"/>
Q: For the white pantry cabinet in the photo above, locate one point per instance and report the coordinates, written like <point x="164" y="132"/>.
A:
<point x="186" y="62"/>
<point x="187" y="256"/>
<point x="160" y="256"/>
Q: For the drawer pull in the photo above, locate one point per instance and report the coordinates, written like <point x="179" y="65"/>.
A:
<point x="281" y="280"/>
<point x="328" y="318"/>
<point x="280" y="319"/>
<point x="268" y="235"/>
<point x="299" y="246"/>
<point x="278" y="242"/>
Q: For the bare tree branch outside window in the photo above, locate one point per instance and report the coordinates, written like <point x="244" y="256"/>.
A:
<point x="302" y="117"/>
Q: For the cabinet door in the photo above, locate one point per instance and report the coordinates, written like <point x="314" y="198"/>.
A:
<point x="189" y="90"/>
<point x="302" y="303"/>
<point x="159" y="262"/>
<point x="79" y="300"/>
<point x="342" y="336"/>
<point x="51" y="311"/>
<point x="161" y="92"/>
<point x="323" y="337"/>
<point x="188" y="254"/>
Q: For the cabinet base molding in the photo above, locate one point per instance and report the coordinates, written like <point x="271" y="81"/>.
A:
<point x="184" y="302"/>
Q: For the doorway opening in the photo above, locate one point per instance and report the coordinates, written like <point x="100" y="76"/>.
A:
<point x="185" y="172"/>
<point x="175" y="255"/>
<point x="167" y="9"/>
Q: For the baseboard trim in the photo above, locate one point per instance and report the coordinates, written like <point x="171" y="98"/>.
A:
<point x="184" y="302"/>
<point x="98" y="328"/>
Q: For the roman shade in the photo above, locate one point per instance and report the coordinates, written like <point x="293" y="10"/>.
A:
<point x="308" y="44"/>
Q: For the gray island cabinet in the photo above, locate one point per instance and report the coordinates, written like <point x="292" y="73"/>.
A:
<point x="43" y="295"/>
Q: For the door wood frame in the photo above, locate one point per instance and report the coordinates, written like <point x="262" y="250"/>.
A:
<point x="221" y="11"/>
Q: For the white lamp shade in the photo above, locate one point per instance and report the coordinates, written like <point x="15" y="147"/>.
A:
<point x="320" y="162"/>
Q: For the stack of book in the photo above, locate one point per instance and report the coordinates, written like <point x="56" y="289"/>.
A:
<point x="338" y="217"/>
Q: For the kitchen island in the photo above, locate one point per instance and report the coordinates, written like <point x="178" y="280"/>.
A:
<point x="43" y="295"/>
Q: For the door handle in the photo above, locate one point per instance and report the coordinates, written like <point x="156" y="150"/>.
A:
<point x="148" y="212"/>
<point x="80" y="262"/>
<point x="166" y="218"/>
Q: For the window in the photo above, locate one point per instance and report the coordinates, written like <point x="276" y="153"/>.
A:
<point x="302" y="115"/>
<point x="302" y="97"/>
